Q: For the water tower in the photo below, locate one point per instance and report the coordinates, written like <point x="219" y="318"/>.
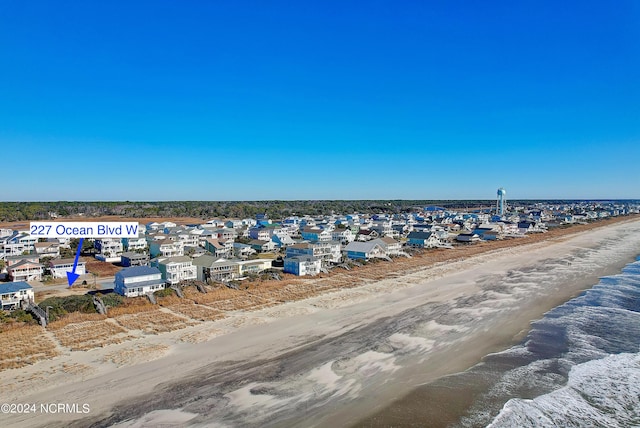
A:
<point x="502" y="197"/>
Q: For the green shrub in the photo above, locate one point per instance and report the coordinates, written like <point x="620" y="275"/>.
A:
<point x="67" y="304"/>
<point x="112" y="299"/>
<point x="164" y="293"/>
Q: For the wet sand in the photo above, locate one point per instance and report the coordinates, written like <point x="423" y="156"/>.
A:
<point x="310" y="363"/>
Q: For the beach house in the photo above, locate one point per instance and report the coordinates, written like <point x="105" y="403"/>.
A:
<point x="131" y="258"/>
<point x="391" y="246"/>
<point x="135" y="244"/>
<point x="177" y="269"/>
<point x="48" y="249"/>
<point x="59" y="268"/>
<point x="110" y="249"/>
<point x="25" y="271"/>
<point x="166" y="248"/>
<point x="210" y="267"/>
<point x="138" y="280"/>
<point x="315" y="234"/>
<point x="14" y="294"/>
<point x="364" y="250"/>
<point x="262" y="246"/>
<point x="328" y="251"/>
<point x="422" y="239"/>
<point x="217" y="248"/>
<point x="302" y="265"/>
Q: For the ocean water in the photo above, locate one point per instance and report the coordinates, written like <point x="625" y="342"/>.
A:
<point x="578" y="366"/>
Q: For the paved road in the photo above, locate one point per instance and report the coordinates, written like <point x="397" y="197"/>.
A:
<point x="104" y="282"/>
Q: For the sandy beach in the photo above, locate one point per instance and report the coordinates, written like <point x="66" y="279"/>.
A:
<point x="336" y="359"/>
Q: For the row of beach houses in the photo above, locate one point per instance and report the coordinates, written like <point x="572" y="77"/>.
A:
<point x="223" y="250"/>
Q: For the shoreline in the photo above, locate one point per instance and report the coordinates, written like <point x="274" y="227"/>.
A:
<point x="471" y="353"/>
<point x="353" y="308"/>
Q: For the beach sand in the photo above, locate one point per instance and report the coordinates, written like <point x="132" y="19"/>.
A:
<point x="334" y="359"/>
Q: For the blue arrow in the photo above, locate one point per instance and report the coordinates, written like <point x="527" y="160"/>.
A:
<point x="72" y="276"/>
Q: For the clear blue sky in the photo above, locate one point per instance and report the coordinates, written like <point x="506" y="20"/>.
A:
<point x="232" y="100"/>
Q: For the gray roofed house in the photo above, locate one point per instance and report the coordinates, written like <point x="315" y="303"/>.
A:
<point x="12" y="260"/>
<point x="262" y="246"/>
<point x="60" y="267"/>
<point x="364" y="250"/>
<point x="216" y="268"/>
<point x="422" y="239"/>
<point x="131" y="258"/>
<point x="25" y="271"/>
<point x="391" y="246"/>
<point x="242" y="250"/>
<point x="177" y="269"/>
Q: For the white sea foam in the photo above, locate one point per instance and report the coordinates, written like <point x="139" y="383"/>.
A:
<point x="585" y="353"/>
<point x="604" y="392"/>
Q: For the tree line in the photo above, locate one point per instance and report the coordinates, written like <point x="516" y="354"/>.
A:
<point x="17" y="211"/>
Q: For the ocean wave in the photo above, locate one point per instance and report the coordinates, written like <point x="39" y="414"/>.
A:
<point x="578" y="366"/>
<point x="599" y="393"/>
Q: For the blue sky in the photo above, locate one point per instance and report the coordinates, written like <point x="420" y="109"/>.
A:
<point x="233" y="100"/>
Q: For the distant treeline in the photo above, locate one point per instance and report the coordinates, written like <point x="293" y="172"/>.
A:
<point x="16" y="211"/>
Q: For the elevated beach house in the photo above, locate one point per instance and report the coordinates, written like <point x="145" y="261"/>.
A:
<point x="59" y="268"/>
<point x="131" y="258"/>
<point x="357" y="250"/>
<point x="166" y="248"/>
<point x="391" y="246"/>
<point x="177" y="269"/>
<point x="423" y="239"/>
<point x="467" y="237"/>
<point x="14" y="294"/>
<point x="328" y="251"/>
<point x="110" y="249"/>
<point x="138" y="280"/>
<point x="302" y="265"/>
<point x="25" y="270"/>
<point x="47" y="249"/>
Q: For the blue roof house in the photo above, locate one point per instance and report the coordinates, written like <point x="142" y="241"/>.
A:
<point x="138" y="281"/>
<point x="13" y="294"/>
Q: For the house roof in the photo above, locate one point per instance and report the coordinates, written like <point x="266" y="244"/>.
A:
<point x="44" y="244"/>
<point x="240" y="245"/>
<point x="419" y="235"/>
<point x="12" y="287"/>
<point x="388" y="240"/>
<point x="215" y="243"/>
<point x="23" y="264"/>
<point x="22" y="257"/>
<point x="361" y="247"/>
<point x="134" y="271"/>
<point x="205" y="260"/>
<point x="312" y="230"/>
<point x="176" y="259"/>
<point x="302" y="245"/>
<point x="134" y="255"/>
<point x="65" y="262"/>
